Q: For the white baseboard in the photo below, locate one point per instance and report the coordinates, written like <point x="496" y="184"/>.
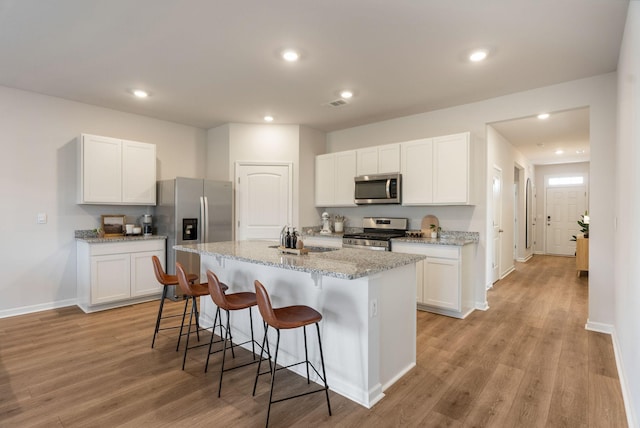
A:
<point x="524" y="259"/>
<point x="624" y="385"/>
<point x="509" y="271"/>
<point x="23" y="310"/>
<point x="599" y="327"/>
<point x="482" y="306"/>
<point x="632" y="418"/>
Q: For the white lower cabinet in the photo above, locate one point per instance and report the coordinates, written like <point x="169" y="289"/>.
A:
<point x="116" y="274"/>
<point x="444" y="281"/>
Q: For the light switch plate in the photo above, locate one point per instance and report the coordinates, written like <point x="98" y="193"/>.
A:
<point x="42" y="218"/>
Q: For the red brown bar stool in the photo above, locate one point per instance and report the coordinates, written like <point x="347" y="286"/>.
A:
<point x="192" y="291"/>
<point x="288" y="317"/>
<point x="166" y="280"/>
<point x="228" y="303"/>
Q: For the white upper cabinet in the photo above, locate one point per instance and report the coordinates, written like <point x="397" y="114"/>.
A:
<point x="379" y="159"/>
<point x="100" y="170"/>
<point x="116" y="172"/>
<point x="138" y="173"/>
<point x="417" y="172"/>
<point x="451" y="169"/>
<point x="436" y="171"/>
<point x="334" y="185"/>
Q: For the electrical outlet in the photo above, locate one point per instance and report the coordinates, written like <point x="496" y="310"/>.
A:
<point x="373" y="309"/>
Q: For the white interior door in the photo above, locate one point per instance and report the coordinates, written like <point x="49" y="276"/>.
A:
<point x="497" y="223"/>
<point x="564" y="207"/>
<point x="263" y="200"/>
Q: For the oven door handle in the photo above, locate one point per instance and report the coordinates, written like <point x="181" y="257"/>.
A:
<point x="365" y="247"/>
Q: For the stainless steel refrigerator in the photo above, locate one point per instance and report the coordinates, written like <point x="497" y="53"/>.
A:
<point x="191" y="211"/>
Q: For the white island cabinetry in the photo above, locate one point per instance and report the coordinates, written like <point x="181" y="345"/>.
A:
<point x="444" y="281"/>
<point x="112" y="274"/>
<point x="366" y="299"/>
<point x="117" y="172"/>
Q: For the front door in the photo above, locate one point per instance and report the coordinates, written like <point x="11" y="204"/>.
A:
<point x="564" y="207"/>
<point x="263" y="200"/>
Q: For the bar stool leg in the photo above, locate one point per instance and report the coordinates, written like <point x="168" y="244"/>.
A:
<point x="217" y="318"/>
<point x="186" y="348"/>
<point x="273" y="376"/>
<point x="324" y="373"/>
<point x="253" y="346"/>
<point x="224" y="353"/>
<point x="184" y="313"/>
<point x="155" y="333"/>
<point x="306" y="353"/>
<point x="195" y="305"/>
<point x="264" y="341"/>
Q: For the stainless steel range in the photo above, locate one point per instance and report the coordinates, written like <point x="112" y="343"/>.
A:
<point x="377" y="233"/>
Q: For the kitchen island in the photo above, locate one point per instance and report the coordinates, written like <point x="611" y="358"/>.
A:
<point x="367" y="300"/>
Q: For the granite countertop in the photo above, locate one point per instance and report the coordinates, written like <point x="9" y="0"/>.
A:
<point x="447" y="238"/>
<point x="435" y="241"/>
<point x="345" y="263"/>
<point x="96" y="240"/>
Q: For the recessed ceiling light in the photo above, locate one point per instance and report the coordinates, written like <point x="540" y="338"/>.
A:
<point x="559" y="151"/>
<point x="290" y="55"/>
<point x="543" y="116"/>
<point x="346" y="94"/>
<point x="140" y="93"/>
<point x="580" y="151"/>
<point x="478" y="56"/>
<point x="268" y="118"/>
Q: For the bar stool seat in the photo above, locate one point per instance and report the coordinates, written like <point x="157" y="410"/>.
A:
<point x="166" y="280"/>
<point x="193" y="290"/>
<point x="288" y="317"/>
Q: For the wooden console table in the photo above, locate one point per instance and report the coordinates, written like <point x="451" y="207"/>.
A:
<point x="582" y="255"/>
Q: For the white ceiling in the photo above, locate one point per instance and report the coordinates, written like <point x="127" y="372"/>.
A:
<point x="539" y="139"/>
<point x="209" y="62"/>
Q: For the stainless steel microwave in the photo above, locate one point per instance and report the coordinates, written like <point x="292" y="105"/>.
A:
<point x="378" y="189"/>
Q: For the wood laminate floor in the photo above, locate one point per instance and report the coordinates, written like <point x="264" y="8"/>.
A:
<point x="526" y="362"/>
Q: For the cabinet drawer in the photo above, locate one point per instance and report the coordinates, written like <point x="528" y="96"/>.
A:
<point x="429" y="250"/>
<point x="126" y="247"/>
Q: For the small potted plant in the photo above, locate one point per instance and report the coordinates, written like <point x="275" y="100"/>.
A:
<point x="435" y="230"/>
<point x="584" y="226"/>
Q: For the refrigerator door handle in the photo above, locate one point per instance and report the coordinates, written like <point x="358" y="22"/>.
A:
<point x="205" y="222"/>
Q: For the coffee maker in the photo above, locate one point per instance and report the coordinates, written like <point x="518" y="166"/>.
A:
<point x="147" y="229"/>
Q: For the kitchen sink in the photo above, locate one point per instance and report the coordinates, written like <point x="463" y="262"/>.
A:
<point x="313" y="249"/>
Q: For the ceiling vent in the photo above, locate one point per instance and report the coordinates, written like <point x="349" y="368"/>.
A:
<point x="337" y="103"/>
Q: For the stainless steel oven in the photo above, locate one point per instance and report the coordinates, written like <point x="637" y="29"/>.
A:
<point x="376" y="234"/>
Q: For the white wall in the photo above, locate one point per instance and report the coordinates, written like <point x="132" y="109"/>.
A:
<point x="581" y="168"/>
<point x="598" y="93"/>
<point x="502" y="154"/>
<point x="312" y="143"/>
<point x="218" y="165"/>
<point x="626" y="279"/>
<point x="37" y="137"/>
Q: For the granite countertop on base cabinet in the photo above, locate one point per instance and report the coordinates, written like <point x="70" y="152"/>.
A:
<point x="344" y="263"/>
